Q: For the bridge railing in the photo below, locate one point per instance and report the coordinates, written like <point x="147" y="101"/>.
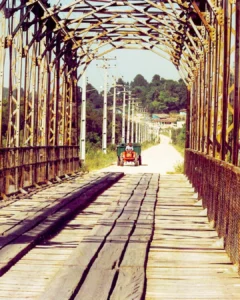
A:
<point x="218" y="185"/>
<point x="25" y="166"/>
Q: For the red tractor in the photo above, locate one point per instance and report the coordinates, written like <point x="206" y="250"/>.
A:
<point x="125" y="156"/>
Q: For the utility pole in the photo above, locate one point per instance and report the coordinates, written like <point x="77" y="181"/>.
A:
<point x="145" y="127"/>
<point x="83" y="121"/>
<point x="104" y="130"/>
<point x="132" y="129"/>
<point x="128" y="122"/>
<point x="136" y="126"/>
<point x="105" y="66"/>
<point x="123" y="115"/>
<point x="139" y="131"/>
<point x="114" y="113"/>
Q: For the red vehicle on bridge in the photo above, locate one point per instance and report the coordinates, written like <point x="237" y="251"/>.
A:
<point x="126" y="155"/>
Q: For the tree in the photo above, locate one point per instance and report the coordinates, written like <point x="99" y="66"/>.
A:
<point x="156" y="80"/>
<point x="140" y="81"/>
<point x="94" y="97"/>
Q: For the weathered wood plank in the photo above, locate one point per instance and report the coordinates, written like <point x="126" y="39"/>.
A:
<point x="136" y="254"/>
<point x="130" y="284"/>
<point x="86" y="253"/>
<point x="12" y="252"/>
<point x="97" y="285"/>
<point x="185" y="261"/>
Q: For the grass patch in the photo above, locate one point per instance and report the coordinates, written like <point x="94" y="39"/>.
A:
<point x="180" y="149"/>
<point x="96" y="159"/>
<point x="178" y="168"/>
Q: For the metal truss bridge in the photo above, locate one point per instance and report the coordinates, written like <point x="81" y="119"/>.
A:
<point x="45" y="49"/>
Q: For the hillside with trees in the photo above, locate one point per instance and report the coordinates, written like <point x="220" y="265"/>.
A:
<point x="160" y="95"/>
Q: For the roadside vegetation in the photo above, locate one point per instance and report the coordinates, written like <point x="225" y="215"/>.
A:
<point x="178" y="168"/>
<point x="178" y="137"/>
<point x="96" y="159"/>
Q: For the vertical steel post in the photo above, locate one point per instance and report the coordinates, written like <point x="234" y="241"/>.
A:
<point x="216" y="87"/>
<point x="187" y="143"/>
<point x="209" y="96"/>
<point x="225" y="83"/>
<point x="2" y="61"/>
<point x="236" y="116"/>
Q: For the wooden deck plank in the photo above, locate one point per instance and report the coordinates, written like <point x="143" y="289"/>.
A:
<point x="130" y="284"/>
<point x="25" y="239"/>
<point x="65" y="283"/>
<point x="97" y="285"/>
<point x="42" y="266"/>
<point x="186" y="260"/>
<point x="131" y="279"/>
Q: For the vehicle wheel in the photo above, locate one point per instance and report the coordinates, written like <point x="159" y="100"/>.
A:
<point x="136" y="163"/>
<point x="140" y="160"/>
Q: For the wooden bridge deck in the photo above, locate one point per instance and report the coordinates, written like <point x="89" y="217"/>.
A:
<point x="144" y="237"/>
<point x="186" y="258"/>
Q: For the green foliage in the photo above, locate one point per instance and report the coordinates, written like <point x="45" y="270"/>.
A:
<point x="139" y="80"/>
<point x="96" y="159"/>
<point x="160" y="95"/>
<point x="5" y="115"/>
<point x="178" y="168"/>
<point x="178" y="139"/>
<point x="178" y="136"/>
<point x="95" y="117"/>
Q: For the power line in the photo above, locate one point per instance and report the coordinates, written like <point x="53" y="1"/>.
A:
<point x="105" y="67"/>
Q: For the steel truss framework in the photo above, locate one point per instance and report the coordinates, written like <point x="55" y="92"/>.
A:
<point x="44" y="50"/>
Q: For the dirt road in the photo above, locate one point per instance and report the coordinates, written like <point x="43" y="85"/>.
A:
<point x="157" y="159"/>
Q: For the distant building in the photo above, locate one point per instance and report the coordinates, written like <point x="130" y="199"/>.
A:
<point x="118" y="110"/>
<point x="159" y="116"/>
<point x="183" y="112"/>
<point x="168" y="123"/>
<point x="180" y="124"/>
<point x="164" y="121"/>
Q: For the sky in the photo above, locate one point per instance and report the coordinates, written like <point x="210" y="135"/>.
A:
<point x="128" y="64"/>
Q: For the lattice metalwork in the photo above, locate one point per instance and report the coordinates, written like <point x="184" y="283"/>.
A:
<point x="45" y="49"/>
<point x="38" y="127"/>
